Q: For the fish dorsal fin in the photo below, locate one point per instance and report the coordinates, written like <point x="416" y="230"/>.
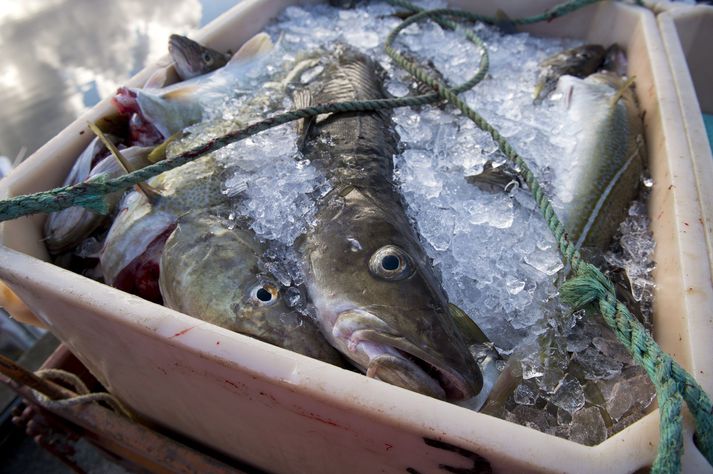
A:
<point x="470" y="331"/>
<point x="144" y="188"/>
<point x="496" y="178"/>
<point x="258" y="45"/>
<point x="619" y="93"/>
<point x="504" y="22"/>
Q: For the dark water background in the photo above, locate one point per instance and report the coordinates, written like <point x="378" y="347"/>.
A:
<point x="60" y="57"/>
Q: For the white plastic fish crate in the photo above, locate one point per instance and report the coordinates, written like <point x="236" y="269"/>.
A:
<point x="284" y="412"/>
<point x="687" y="34"/>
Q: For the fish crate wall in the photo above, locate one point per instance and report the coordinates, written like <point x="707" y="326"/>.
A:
<point x="687" y="33"/>
<point x="276" y="409"/>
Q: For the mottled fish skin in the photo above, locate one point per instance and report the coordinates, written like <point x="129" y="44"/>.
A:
<point x="614" y="151"/>
<point x="376" y="297"/>
<point x="578" y="62"/>
<point x="211" y="272"/>
<point x="192" y="59"/>
<point x="174" y="250"/>
<point x="139" y="222"/>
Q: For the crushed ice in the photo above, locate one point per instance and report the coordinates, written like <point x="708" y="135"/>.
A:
<point x="495" y="255"/>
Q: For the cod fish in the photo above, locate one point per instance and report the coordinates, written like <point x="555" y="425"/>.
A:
<point x="612" y="156"/>
<point x="66" y="229"/>
<point x="172" y="248"/>
<point x="189" y="59"/>
<point x="211" y="271"/>
<point x="156" y="114"/>
<point x="375" y="296"/>
<point x="192" y="59"/>
<point x="132" y="249"/>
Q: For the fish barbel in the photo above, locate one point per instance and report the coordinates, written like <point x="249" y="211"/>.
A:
<point x="375" y="295"/>
<point x="210" y="269"/>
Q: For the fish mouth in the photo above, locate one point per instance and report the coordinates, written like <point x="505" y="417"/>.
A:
<point x="389" y="357"/>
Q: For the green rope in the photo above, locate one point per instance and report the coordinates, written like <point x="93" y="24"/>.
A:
<point x="588" y="287"/>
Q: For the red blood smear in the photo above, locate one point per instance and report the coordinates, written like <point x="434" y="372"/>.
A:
<point x="141" y="130"/>
<point x="125" y="101"/>
<point x="140" y="277"/>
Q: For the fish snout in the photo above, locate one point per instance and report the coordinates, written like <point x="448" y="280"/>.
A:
<point x="370" y="343"/>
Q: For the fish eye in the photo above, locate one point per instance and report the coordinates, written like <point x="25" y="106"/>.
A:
<point x="391" y="263"/>
<point x="264" y="294"/>
<point x="207" y="58"/>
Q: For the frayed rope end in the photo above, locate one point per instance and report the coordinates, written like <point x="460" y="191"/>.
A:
<point x="586" y="287"/>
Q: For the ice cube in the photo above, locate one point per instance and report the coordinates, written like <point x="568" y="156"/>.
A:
<point x="569" y="396"/>
<point x="547" y="262"/>
<point x="525" y="395"/>
<point x="588" y="427"/>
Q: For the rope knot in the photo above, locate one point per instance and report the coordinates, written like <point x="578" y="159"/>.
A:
<point x="588" y="286"/>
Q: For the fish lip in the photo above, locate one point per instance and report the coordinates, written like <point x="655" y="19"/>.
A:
<point x="383" y="345"/>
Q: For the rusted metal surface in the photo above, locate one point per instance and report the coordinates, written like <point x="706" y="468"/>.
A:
<point x="24" y="377"/>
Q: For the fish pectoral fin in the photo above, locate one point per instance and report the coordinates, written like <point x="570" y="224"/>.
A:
<point x="471" y="332"/>
<point x="179" y="93"/>
<point x="258" y="45"/>
<point x="619" y="93"/>
<point x="160" y="78"/>
<point x="159" y="152"/>
<point x="536" y="93"/>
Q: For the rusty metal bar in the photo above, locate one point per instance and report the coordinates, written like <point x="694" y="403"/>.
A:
<point x="24" y="377"/>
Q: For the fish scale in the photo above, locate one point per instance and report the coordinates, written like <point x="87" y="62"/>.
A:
<point x="354" y="148"/>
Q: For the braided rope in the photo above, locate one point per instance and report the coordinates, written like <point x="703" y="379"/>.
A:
<point x="83" y="394"/>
